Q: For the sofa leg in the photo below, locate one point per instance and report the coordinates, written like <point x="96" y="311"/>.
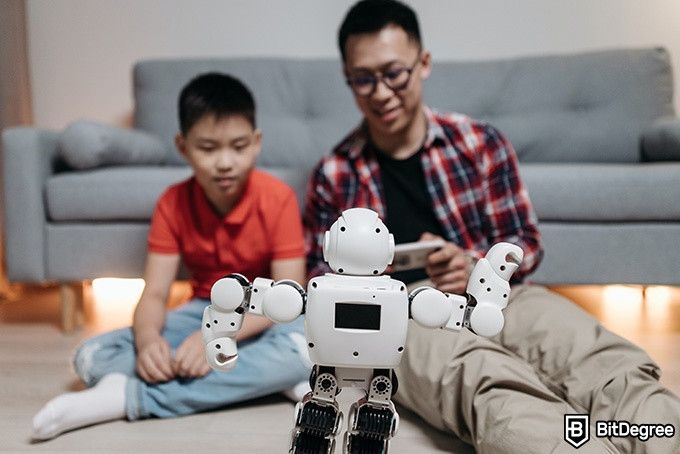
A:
<point x="71" y="306"/>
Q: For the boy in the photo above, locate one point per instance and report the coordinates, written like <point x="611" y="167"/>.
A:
<point x="228" y="217"/>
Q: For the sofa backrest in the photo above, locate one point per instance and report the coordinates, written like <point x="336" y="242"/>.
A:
<point x="588" y="107"/>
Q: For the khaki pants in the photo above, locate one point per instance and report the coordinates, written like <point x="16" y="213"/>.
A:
<point x="509" y="394"/>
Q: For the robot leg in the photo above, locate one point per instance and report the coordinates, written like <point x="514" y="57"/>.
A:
<point x="317" y="417"/>
<point x="373" y="420"/>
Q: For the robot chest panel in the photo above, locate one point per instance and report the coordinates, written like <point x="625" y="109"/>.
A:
<point x="356" y="325"/>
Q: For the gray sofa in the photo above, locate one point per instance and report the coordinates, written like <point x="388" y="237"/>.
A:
<point x="596" y="135"/>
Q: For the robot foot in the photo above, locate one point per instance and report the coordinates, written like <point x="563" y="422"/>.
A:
<point x="371" y="429"/>
<point x="316" y="427"/>
<point x="307" y="443"/>
<point x="359" y="444"/>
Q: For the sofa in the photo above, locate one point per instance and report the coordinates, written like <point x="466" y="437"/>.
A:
<point x="596" y="134"/>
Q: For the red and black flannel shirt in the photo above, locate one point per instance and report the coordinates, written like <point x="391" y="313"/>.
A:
<point x="471" y="172"/>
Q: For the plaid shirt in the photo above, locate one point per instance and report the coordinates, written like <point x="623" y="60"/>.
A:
<point x="472" y="177"/>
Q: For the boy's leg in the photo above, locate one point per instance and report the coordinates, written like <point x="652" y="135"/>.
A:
<point x="594" y="370"/>
<point x="482" y="393"/>
<point x="106" y="363"/>
<point x="103" y="354"/>
<point x="269" y="364"/>
<point x="115" y="351"/>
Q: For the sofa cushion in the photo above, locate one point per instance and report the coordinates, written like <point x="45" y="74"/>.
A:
<point x="109" y="194"/>
<point x="604" y="192"/>
<point x="589" y="107"/>
<point x="303" y="106"/>
<point x="661" y="142"/>
<point x="87" y="144"/>
<point x="126" y="193"/>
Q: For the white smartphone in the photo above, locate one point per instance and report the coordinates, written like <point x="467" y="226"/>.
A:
<point x="411" y="256"/>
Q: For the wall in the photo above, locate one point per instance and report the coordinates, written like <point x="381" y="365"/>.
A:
<point x="81" y="51"/>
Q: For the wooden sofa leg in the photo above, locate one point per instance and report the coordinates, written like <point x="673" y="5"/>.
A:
<point x="71" y="306"/>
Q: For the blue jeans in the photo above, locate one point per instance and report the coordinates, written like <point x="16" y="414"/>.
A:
<point x="269" y="363"/>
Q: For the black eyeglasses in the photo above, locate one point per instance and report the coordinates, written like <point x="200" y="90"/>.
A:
<point x="395" y="79"/>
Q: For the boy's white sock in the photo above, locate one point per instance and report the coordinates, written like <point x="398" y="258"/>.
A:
<point x="297" y="392"/>
<point x="104" y="402"/>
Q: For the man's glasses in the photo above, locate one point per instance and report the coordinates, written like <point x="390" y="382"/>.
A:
<point x="396" y="79"/>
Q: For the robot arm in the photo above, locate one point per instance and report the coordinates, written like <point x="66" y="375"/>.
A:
<point x="488" y="291"/>
<point x="231" y="298"/>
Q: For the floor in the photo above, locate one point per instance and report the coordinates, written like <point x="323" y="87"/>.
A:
<point x="34" y="358"/>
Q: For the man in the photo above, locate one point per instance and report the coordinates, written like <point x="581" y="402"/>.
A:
<point x="431" y="175"/>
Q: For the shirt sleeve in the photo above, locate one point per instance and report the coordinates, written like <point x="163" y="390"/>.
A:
<point x="320" y="213"/>
<point x="287" y="239"/>
<point x="509" y="211"/>
<point x="163" y="235"/>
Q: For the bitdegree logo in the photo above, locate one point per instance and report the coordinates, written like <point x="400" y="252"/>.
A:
<point x="643" y="432"/>
<point x="576" y="431"/>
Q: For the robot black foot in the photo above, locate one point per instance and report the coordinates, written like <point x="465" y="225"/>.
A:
<point x="371" y="429"/>
<point x="359" y="444"/>
<point x="316" y="427"/>
<point x="306" y="443"/>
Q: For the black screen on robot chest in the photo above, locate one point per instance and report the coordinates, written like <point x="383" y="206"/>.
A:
<point x="357" y="316"/>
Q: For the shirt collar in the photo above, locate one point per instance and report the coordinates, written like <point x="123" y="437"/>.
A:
<point x="359" y="138"/>
<point x="238" y="213"/>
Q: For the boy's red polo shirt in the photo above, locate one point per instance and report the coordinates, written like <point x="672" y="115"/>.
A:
<point x="263" y="226"/>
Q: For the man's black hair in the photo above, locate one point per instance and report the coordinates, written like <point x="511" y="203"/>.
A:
<point x="370" y="16"/>
<point x="215" y="94"/>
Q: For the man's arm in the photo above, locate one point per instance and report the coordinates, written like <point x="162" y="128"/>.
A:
<point x="320" y="213"/>
<point x="509" y="212"/>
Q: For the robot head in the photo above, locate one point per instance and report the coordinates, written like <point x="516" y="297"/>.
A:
<point x="358" y="243"/>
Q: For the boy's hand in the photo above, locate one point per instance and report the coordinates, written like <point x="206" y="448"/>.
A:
<point x="190" y="359"/>
<point x="154" y="361"/>
<point x="449" y="268"/>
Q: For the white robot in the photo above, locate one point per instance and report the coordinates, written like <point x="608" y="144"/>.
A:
<point x="356" y="322"/>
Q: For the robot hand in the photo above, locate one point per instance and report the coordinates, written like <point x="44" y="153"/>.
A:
<point x="488" y="290"/>
<point x="231" y="298"/>
<point x="223" y="319"/>
<point x="489" y="287"/>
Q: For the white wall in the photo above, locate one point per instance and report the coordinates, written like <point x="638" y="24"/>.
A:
<point x="82" y="51"/>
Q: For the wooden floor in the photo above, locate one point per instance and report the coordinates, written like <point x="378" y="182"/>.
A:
<point x="34" y="368"/>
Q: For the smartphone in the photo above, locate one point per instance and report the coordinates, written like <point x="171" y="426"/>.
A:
<point x="411" y="256"/>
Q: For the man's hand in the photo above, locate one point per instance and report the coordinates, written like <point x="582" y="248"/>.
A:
<point x="154" y="361"/>
<point x="449" y="268"/>
<point x="190" y="359"/>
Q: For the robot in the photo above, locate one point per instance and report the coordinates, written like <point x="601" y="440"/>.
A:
<point x="356" y="321"/>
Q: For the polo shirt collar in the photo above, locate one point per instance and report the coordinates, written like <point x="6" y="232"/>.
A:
<point x="238" y="213"/>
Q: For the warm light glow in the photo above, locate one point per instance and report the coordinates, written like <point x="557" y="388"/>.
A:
<point x="658" y="295"/>
<point x="621" y="307"/>
<point x="658" y="306"/>
<point x="115" y="300"/>
<point x="622" y="295"/>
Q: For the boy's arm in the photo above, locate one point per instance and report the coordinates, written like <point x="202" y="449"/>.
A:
<point x="153" y="352"/>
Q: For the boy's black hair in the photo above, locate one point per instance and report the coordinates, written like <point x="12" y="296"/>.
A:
<point x="214" y="94"/>
<point x="369" y="16"/>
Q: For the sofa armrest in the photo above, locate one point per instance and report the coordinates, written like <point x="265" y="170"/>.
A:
<point x="661" y="142"/>
<point x="29" y="157"/>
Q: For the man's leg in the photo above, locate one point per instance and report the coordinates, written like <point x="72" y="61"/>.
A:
<point x="594" y="370"/>
<point x="484" y="394"/>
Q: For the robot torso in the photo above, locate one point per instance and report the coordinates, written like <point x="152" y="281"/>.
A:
<point x="356" y="321"/>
